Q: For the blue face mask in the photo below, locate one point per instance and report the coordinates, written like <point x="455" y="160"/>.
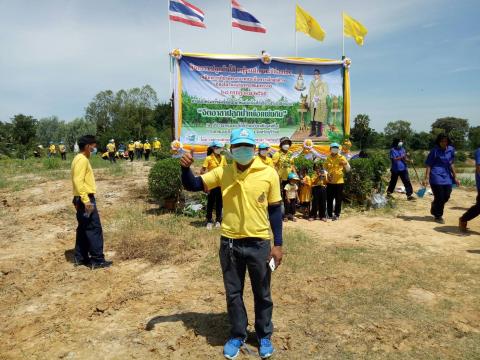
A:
<point x="243" y="154"/>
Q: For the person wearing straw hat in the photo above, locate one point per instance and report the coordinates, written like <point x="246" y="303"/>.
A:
<point x="399" y="168"/>
<point x="474" y="211"/>
<point x="251" y="205"/>
<point x="214" y="198"/>
<point x="263" y="149"/>
<point x="335" y="165"/>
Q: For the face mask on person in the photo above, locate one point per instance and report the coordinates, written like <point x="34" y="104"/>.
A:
<point x="334" y="150"/>
<point x="217" y="151"/>
<point x="243" y="154"/>
<point x="263" y="153"/>
<point x="285" y="147"/>
<point x="400" y="144"/>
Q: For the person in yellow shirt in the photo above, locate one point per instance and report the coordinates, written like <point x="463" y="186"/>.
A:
<point x="89" y="240"/>
<point x="157" y="146"/>
<point x="111" y="148"/>
<point x="131" y="150"/>
<point x="213" y="160"/>
<point x="291" y="197"/>
<point x="284" y="163"/>
<point x="251" y="204"/>
<point x="63" y="150"/>
<point x="319" y="194"/>
<point x="305" y="192"/>
<point x="336" y="164"/>
<point x="52" y="150"/>
<point x="138" y="149"/>
<point x="147" y="148"/>
<point x="263" y="154"/>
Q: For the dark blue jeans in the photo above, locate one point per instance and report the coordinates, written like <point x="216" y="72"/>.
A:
<point x="405" y="180"/>
<point x="441" y="194"/>
<point x="214" y="199"/>
<point x="89" y="241"/>
<point x="236" y="256"/>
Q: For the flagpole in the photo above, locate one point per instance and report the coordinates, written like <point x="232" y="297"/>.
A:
<point x="170" y="68"/>
<point x="231" y="27"/>
<point x="295" y="29"/>
<point x="343" y="35"/>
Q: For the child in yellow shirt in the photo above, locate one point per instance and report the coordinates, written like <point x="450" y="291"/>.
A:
<point x="305" y="193"/>
<point x="291" y="196"/>
<point x="319" y="192"/>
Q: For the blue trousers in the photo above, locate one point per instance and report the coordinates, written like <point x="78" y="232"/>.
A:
<point x="89" y="240"/>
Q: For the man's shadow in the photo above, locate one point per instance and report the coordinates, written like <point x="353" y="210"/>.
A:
<point x="416" y="218"/>
<point x="213" y="326"/>
<point x="454" y="230"/>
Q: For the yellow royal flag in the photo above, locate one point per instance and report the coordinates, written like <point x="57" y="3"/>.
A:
<point x="307" y="24"/>
<point x="354" y="29"/>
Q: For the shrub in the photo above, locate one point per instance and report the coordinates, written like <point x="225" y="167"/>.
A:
<point x="302" y="163"/>
<point x="52" y="163"/>
<point x="460" y="157"/>
<point x="164" y="179"/>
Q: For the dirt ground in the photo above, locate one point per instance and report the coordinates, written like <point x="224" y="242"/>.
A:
<point x="380" y="284"/>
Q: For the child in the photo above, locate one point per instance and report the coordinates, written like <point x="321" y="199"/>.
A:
<point x="319" y="192"/>
<point x="305" y="194"/>
<point x="291" y="196"/>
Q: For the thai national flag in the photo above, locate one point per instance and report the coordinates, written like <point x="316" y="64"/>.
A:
<point x="183" y="11"/>
<point x="242" y="19"/>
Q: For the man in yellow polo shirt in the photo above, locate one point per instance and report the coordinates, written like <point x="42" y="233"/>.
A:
<point x="52" y="150"/>
<point x="89" y="241"/>
<point x="138" y="149"/>
<point x="251" y="207"/>
<point x="335" y="165"/>
<point x="131" y="150"/>
<point x="111" y="148"/>
<point x="157" y="146"/>
<point x="147" y="148"/>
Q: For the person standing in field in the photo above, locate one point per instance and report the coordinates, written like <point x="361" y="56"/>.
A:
<point x="157" y="146"/>
<point x="441" y="174"/>
<point x="52" y="150"/>
<point x="63" y="150"/>
<point x="111" y="149"/>
<point x="284" y="163"/>
<point x="474" y="211"/>
<point x="335" y="165"/>
<point x="147" y="148"/>
<point x="131" y="150"/>
<point x="252" y="206"/>
<point x="214" y="199"/>
<point x="319" y="193"/>
<point x="89" y="240"/>
<point x="305" y="192"/>
<point x="291" y="196"/>
<point x="263" y="149"/>
<point x="399" y="168"/>
<point x="138" y="149"/>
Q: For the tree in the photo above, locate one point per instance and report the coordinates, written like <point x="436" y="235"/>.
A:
<point x="50" y="129"/>
<point x="76" y="128"/>
<point x="6" y="138"/>
<point x="420" y="141"/>
<point x="474" y="137"/>
<point x="456" y="128"/>
<point x="23" y="134"/>
<point x="399" y="129"/>
<point x="361" y="130"/>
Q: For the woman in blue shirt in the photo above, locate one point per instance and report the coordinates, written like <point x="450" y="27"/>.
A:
<point x="398" y="156"/>
<point x="441" y="175"/>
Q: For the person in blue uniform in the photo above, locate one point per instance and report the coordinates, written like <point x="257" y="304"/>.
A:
<point x="399" y="168"/>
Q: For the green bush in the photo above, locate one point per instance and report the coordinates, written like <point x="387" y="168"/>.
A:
<point x="302" y="163"/>
<point x="164" y="179"/>
<point x="460" y="157"/>
<point x="52" y="163"/>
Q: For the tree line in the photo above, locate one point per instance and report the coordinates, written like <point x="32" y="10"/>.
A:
<point x="132" y="114"/>
<point x="463" y="136"/>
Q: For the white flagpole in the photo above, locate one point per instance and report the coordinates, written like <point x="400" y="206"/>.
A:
<point x="231" y="27"/>
<point x="343" y="35"/>
<point x="169" y="27"/>
<point x="295" y="29"/>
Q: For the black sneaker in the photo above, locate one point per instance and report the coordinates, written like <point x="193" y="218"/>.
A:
<point x="335" y="218"/>
<point x="411" y="198"/>
<point x="439" y="220"/>
<point x="101" y="265"/>
<point x="81" y="262"/>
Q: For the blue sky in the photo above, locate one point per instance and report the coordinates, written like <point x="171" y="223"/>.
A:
<point x="420" y="60"/>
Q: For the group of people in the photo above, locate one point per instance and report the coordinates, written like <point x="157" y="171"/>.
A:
<point x="52" y="150"/>
<point x="134" y="149"/>
<point x="319" y="195"/>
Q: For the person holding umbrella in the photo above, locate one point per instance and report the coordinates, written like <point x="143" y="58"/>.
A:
<point x="399" y="168"/>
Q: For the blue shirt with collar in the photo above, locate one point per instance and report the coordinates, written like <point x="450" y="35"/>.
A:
<point x="440" y="162"/>
<point x="398" y="165"/>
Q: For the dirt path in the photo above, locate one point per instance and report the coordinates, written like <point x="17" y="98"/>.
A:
<point x="50" y="309"/>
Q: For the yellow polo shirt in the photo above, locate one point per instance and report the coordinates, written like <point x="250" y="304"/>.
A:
<point x="131" y="147"/>
<point x="318" y="180"/>
<point x="111" y="147"/>
<point x="147" y="146"/>
<point x="157" y="145"/>
<point x="246" y="196"/>
<point x="82" y="178"/>
<point x="52" y="149"/>
<point x="267" y="161"/>
<point x="335" y="168"/>
<point x="283" y="163"/>
<point x="61" y="148"/>
<point x="213" y="161"/>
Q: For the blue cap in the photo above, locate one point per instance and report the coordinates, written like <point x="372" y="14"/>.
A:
<point x="216" y="144"/>
<point x="293" y="176"/>
<point x="334" y="145"/>
<point x="242" y="136"/>
<point x="263" y="146"/>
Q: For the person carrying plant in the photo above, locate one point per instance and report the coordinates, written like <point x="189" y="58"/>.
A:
<point x="157" y="146"/>
<point x="474" y="211"/>
<point x="335" y="165"/>
<point x="52" y="150"/>
<point x="291" y="196"/>
<point x="440" y="173"/>
<point x="89" y="240"/>
<point x="111" y="148"/>
<point x="305" y="192"/>
<point x="263" y="149"/>
<point x="252" y="206"/>
<point x="319" y="193"/>
<point x="63" y="150"/>
<point x="399" y="168"/>
<point x="213" y="160"/>
<point x="147" y="148"/>
<point x="131" y="150"/>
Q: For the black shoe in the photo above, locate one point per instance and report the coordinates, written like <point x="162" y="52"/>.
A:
<point x="101" y="265"/>
<point x="411" y="198"/>
<point x="439" y="220"/>
<point x="335" y="218"/>
<point x="77" y="262"/>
